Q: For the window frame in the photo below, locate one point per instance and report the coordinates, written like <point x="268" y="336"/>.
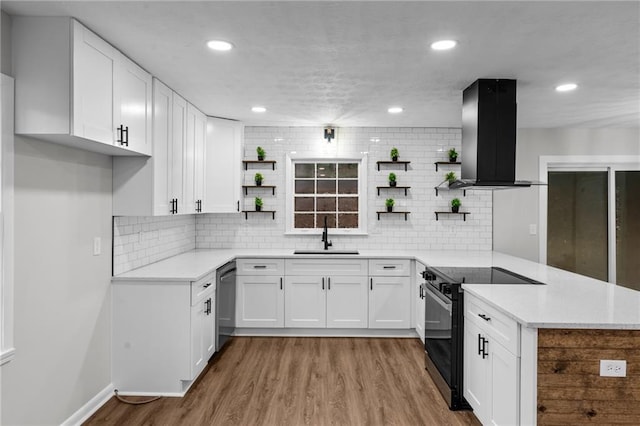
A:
<point x="292" y="159"/>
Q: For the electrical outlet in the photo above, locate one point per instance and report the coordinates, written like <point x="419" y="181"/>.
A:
<point x="533" y="229"/>
<point x="613" y="368"/>
<point x="97" y="246"/>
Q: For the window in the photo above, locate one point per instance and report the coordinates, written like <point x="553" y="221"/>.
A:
<point x="330" y="190"/>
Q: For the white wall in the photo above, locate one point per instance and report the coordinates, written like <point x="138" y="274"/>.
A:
<point x="5" y="45"/>
<point x="421" y="146"/>
<point x="62" y="291"/>
<point x="514" y="210"/>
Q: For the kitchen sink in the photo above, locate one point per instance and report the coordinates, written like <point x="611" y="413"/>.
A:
<point x="326" y="252"/>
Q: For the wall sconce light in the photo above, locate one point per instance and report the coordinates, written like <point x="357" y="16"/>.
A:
<point x="329" y="133"/>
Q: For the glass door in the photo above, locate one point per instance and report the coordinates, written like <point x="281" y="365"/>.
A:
<point x="593" y="223"/>
<point x="627" y="216"/>
<point x="577" y="222"/>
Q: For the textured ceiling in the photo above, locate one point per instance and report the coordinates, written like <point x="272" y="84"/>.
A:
<point x="345" y="63"/>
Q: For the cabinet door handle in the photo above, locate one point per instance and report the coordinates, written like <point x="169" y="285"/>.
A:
<point x="484" y="317"/>
<point x="480" y="350"/>
<point x="125" y="136"/>
<point x="238" y="207"/>
<point x="329" y="283"/>
<point x="323" y="283"/>
<point x="421" y="296"/>
<point x="280" y="283"/>
<point x="176" y="206"/>
<point x="119" y="130"/>
<point x="371" y="281"/>
<point x="388" y="267"/>
<point x="485" y="353"/>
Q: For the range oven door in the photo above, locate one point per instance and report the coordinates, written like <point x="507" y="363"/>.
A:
<point x="437" y="331"/>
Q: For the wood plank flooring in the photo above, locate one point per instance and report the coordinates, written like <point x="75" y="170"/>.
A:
<point x="302" y="381"/>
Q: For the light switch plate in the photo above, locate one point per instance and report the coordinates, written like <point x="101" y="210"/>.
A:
<point x="613" y="368"/>
<point x="533" y="229"/>
<point x="97" y="246"/>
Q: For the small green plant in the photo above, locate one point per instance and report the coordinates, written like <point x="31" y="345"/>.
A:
<point x="258" y="203"/>
<point x="453" y="155"/>
<point x="450" y="177"/>
<point x="394" y="154"/>
<point x="455" y="205"/>
<point x="389" y="202"/>
<point x="261" y="153"/>
<point x="392" y="179"/>
<point x="258" y="178"/>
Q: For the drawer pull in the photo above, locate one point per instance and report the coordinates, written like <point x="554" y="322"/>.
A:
<point x="259" y="266"/>
<point x="207" y="285"/>
<point x="388" y="267"/>
<point x="484" y="317"/>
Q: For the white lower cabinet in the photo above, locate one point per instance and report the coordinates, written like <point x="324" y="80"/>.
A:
<point x="419" y="300"/>
<point x="390" y="294"/>
<point x="491" y="366"/>
<point x="326" y="301"/>
<point x="163" y="334"/>
<point x="305" y="302"/>
<point x="260" y="293"/>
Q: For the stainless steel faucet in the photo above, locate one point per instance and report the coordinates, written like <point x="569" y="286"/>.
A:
<point x="325" y="235"/>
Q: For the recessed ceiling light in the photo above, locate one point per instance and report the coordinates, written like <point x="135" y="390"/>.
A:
<point x="566" y="87"/>
<point x="219" y="45"/>
<point x="258" y="109"/>
<point x="443" y="44"/>
<point x="395" y="110"/>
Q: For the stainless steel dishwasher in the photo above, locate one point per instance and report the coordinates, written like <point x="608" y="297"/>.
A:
<point x="225" y="303"/>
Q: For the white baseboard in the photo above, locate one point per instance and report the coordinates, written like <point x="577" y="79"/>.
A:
<point x="90" y="407"/>
<point x="326" y="332"/>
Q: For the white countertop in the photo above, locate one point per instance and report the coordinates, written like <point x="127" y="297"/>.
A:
<point x="567" y="300"/>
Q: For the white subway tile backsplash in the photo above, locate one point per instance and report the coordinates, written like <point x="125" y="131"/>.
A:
<point x="139" y="241"/>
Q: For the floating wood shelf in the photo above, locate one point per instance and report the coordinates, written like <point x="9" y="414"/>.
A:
<point x="444" y="163"/>
<point x="272" y="187"/>
<point x="464" y="214"/>
<point x="385" y="212"/>
<point x="404" y="163"/>
<point x="270" y="162"/>
<point x="393" y="187"/>
<point x="272" y="212"/>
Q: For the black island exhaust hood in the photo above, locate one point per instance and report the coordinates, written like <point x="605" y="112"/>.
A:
<point x="489" y="136"/>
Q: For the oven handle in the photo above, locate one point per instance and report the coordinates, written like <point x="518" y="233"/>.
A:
<point x="445" y="304"/>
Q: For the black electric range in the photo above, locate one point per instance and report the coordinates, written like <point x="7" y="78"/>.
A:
<point x="444" y="321"/>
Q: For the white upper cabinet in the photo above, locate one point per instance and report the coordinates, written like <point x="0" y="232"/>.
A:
<point x="94" y="64"/>
<point x="222" y="166"/>
<point x="155" y="186"/>
<point x="132" y="117"/>
<point x="194" y="160"/>
<point x="75" y="89"/>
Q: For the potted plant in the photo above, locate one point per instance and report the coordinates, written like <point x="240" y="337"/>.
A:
<point x="258" y="204"/>
<point x="392" y="179"/>
<point x="453" y="155"/>
<point x="394" y="154"/>
<point x="389" y="203"/>
<point x="450" y="177"/>
<point x="258" y="178"/>
<point x="455" y="205"/>
<point x="261" y="153"/>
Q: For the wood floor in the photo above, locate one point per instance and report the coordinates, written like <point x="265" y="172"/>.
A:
<point x="302" y="381"/>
